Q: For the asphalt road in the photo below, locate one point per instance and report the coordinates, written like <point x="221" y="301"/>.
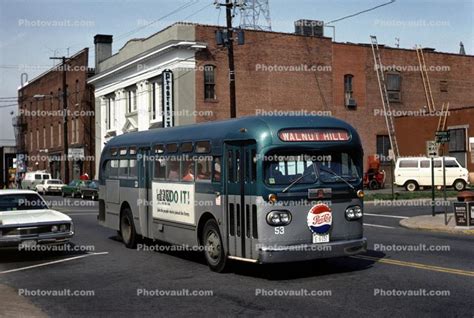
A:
<point x="386" y="281"/>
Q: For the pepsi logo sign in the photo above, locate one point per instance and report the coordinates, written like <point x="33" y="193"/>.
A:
<point x="320" y="218"/>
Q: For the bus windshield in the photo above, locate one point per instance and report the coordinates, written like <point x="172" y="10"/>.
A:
<point x="283" y="169"/>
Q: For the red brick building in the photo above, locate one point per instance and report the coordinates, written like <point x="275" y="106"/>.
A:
<point x="40" y="119"/>
<point x="327" y="88"/>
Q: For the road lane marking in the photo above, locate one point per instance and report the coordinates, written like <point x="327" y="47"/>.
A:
<point x="387" y="216"/>
<point x="53" y="262"/>
<point x="382" y="226"/>
<point x="416" y="265"/>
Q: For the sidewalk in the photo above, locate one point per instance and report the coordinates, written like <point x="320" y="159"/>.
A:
<point x="436" y="224"/>
<point x="14" y="306"/>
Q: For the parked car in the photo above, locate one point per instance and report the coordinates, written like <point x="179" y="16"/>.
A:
<point x="72" y="189"/>
<point x="26" y="219"/>
<point x="415" y="172"/>
<point x="32" y="179"/>
<point x="50" y="186"/>
<point x="90" y="189"/>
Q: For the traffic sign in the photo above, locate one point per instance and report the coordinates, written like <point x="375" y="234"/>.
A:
<point x="442" y="136"/>
<point x="431" y="148"/>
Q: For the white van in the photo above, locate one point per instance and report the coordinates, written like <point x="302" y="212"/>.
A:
<point x="34" y="178"/>
<point x="415" y="172"/>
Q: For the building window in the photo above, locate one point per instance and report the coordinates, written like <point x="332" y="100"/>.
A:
<point x="76" y="93"/>
<point x="59" y="135"/>
<point x="77" y="130"/>
<point x="383" y="145"/>
<point x="37" y="140"/>
<point x="156" y="102"/>
<point x="443" y="86"/>
<point x="51" y="132"/>
<point x="209" y="82"/>
<point x="457" y="140"/>
<point x="44" y="137"/>
<point x="348" y="98"/>
<point x="31" y="141"/>
<point x="394" y="83"/>
<point x="131" y="100"/>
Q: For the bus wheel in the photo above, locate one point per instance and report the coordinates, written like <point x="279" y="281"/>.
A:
<point x="459" y="185"/>
<point x="127" y="228"/>
<point x="213" y="247"/>
<point x="411" y="186"/>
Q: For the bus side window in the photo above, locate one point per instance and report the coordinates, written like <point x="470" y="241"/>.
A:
<point x="133" y="168"/>
<point x="123" y="168"/>
<point x="216" y="171"/>
<point x="203" y="169"/>
<point x="113" y="168"/>
<point x="188" y="171"/>
<point x="173" y="170"/>
<point x="160" y="169"/>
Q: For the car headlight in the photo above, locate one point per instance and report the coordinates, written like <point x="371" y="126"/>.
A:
<point x="63" y="227"/>
<point x="54" y="228"/>
<point x="354" y="213"/>
<point x="278" y="218"/>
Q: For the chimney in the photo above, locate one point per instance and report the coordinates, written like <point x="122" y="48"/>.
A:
<point x="103" y="49"/>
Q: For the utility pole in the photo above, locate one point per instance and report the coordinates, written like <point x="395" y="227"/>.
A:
<point x="65" y="130"/>
<point x="230" y="54"/>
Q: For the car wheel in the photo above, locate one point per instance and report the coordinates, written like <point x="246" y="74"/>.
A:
<point x="459" y="185"/>
<point x="127" y="229"/>
<point x="213" y="247"/>
<point x="373" y="185"/>
<point x="411" y="186"/>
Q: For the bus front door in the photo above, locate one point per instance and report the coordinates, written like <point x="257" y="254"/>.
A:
<point x="241" y="209"/>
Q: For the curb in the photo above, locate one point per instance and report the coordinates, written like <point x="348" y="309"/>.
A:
<point x="442" y="229"/>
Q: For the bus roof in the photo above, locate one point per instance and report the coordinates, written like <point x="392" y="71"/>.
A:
<point x="261" y="128"/>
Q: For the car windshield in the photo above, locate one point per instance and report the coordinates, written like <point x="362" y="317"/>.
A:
<point x="284" y="169"/>
<point x="21" y="201"/>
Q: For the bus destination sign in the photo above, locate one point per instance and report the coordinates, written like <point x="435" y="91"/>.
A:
<point x="320" y="135"/>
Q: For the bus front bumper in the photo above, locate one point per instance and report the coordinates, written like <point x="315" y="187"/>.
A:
<point x="306" y="252"/>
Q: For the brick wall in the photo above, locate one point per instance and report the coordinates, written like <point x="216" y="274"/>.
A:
<point x="40" y="114"/>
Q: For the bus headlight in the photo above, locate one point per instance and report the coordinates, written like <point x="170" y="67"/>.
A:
<point x="272" y="198"/>
<point x="278" y="218"/>
<point x="354" y="213"/>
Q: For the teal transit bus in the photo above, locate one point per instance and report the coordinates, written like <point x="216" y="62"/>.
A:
<point x="261" y="189"/>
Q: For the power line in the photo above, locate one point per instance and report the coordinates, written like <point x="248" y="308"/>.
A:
<point x="360" y="12"/>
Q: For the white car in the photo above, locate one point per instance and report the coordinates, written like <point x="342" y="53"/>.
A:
<point x="26" y="219"/>
<point x="415" y="172"/>
<point x="50" y="186"/>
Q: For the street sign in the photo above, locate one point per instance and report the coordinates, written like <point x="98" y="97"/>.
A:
<point x="431" y="148"/>
<point x="442" y="137"/>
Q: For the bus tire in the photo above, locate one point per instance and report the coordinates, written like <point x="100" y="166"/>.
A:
<point x="411" y="186"/>
<point x="127" y="228"/>
<point x="213" y="247"/>
<point x="459" y="185"/>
